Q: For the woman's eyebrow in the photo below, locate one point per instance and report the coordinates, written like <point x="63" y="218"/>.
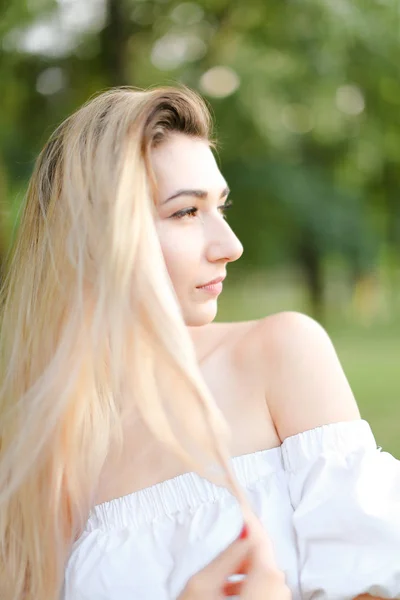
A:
<point x="196" y="194"/>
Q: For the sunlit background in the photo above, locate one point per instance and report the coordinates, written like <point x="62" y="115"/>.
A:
<point x="306" y="99"/>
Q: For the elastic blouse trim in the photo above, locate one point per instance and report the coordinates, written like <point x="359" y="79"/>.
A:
<point x="182" y="493"/>
<point x="188" y="491"/>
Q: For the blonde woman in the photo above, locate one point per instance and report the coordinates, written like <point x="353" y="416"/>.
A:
<point x="115" y="383"/>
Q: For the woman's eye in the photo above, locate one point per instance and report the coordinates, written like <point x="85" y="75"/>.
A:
<point x="186" y="212"/>
<point x="192" y="211"/>
<point x="225" y="207"/>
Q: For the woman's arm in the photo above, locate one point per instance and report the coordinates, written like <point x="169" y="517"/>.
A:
<point x="344" y="491"/>
<point x="305" y="384"/>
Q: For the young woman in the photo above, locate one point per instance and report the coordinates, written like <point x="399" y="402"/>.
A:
<point x="115" y="382"/>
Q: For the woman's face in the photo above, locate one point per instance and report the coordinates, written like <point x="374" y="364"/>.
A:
<point x="195" y="238"/>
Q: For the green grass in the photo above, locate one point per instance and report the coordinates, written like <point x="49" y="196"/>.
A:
<point x="371" y="360"/>
<point x="370" y="354"/>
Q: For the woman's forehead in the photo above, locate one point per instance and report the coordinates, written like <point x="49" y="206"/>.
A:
<point x="184" y="162"/>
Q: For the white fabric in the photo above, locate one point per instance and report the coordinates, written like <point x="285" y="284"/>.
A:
<point x="329" y="498"/>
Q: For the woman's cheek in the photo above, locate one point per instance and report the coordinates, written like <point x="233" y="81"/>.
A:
<point x="181" y="245"/>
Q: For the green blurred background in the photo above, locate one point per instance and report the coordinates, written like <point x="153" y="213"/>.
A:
<point x="306" y="99"/>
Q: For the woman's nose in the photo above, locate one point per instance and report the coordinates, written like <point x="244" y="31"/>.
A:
<point x="223" y="245"/>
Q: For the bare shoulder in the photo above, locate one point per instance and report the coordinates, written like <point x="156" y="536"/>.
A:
<point x="305" y="384"/>
<point x="271" y="337"/>
<point x="290" y="331"/>
<point x="288" y="362"/>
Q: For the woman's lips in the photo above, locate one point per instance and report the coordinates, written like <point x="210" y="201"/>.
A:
<point x="213" y="287"/>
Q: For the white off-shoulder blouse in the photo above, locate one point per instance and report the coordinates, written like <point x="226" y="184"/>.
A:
<point x="329" y="498"/>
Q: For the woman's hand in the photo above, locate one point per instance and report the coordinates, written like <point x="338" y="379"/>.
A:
<point x="249" y="556"/>
<point x="368" y="597"/>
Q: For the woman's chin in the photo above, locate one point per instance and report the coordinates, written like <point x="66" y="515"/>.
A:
<point x="201" y="315"/>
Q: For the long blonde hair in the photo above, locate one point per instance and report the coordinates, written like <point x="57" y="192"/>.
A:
<point x="88" y="315"/>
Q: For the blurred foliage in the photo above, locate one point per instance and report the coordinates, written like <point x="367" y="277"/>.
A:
<point x="305" y="94"/>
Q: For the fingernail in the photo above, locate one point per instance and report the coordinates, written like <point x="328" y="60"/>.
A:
<point x="244" y="533"/>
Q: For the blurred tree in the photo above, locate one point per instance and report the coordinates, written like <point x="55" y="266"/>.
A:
<point x="306" y="96"/>
<point x="113" y="43"/>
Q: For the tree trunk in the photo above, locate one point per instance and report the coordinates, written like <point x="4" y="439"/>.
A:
<point x="310" y="261"/>
<point x="114" y="39"/>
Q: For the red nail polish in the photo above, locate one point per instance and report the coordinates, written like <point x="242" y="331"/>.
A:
<point x="244" y="533"/>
